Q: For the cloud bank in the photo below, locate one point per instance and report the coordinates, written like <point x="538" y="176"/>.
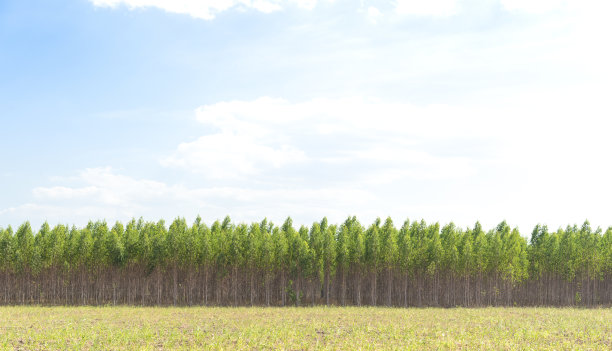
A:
<point x="207" y="9"/>
<point x="529" y="157"/>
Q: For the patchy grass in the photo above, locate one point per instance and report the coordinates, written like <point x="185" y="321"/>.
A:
<point x="117" y="328"/>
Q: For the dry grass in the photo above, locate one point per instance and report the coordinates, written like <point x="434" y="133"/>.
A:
<point x="117" y="328"/>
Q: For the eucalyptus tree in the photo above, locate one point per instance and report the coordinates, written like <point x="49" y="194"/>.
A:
<point x="419" y="239"/>
<point x="588" y="261"/>
<point x="82" y="245"/>
<point x="342" y="257"/>
<point x="235" y="255"/>
<point x="159" y="253"/>
<point x="569" y="252"/>
<point x="114" y="247"/>
<point x="537" y="251"/>
<point x="42" y="248"/>
<point x="57" y="243"/>
<point x="480" y="259"/>
<point x="24" y="248"/>
<point x="356" y="254"/>
<point x="43" y="264"/>
<point x="305" y="268"/>
<point x="434" y="256"/>
<point x="203" y="257"/>
<point x="6" y="249"/>
<point x="372" y="256"/>
<point x="281" y="259"/>
<point x="297" y="253"/>
<point x="449" y="262"/>
<point x="177" y="247"/>
<point x="144" y="257"/>
<point x="24" y="257"/>
<point x="552" y="268"/>
<point x="466" y="263"/>
<point x="218" y="256"/>
<point x="252" y="256"/>
<point x="329" y="255"/>
<point x="317" y="245"/>
<point x="7" y="262"/>
<point x="515" y="264"/>
<point x="389" y="254"/>
<point x="405" y="257"/>
<point x="266" y="258"/>
<point x="605" y="249"/>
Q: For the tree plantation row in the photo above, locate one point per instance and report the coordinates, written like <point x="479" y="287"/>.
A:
<point x="418" y="264"/>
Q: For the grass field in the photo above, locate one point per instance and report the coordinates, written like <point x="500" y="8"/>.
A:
<point x="78" y="328"/>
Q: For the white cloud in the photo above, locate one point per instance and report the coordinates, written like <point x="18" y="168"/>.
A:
<point x="307" y="4"/>
<point x="99" y="193"/>
<point x="533" y="157"/>
<point x="62" y="192"/>
<point x="267" y="137"/>
<point x="489" y="158"/>
<point x="374" y="14"/>
<point x="206" y="9"/>
<point x="533" y="6"/>
<point x="435" y="8"/>
<point x="275" y="119"/>
<point x="446" y="8"/>
<point x="405" y="163"/>
<point x="106" y="187"/>
<point x="572" y="8"/>
<point x="226" y="155"/>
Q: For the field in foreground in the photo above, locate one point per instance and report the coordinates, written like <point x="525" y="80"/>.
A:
<point x="78" y="328"/>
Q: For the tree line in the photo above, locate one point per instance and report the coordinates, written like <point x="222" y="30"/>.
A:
<point x="228" y="264"/>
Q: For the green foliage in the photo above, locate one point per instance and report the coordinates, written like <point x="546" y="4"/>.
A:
<point x="310" y="256"/>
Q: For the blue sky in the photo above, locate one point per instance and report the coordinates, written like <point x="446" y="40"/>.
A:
<point x="446" y="110"/>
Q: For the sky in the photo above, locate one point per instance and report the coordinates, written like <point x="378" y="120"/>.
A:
<point x="443" y="110"/>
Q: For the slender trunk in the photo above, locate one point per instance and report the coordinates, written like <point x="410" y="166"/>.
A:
<point x="252" y="286"/>
<point x="343" y="288"/>
<point x="267" y="278"/>
<point x="358" y="274"/>
<point x="373" y="287"/>
<point x="283" y="288"/>
<point x="206" y="286"/>
<point x="235" y="285"/>
<point x="175" y="280"/>
<point x="389" y="289"/>
<point x="312" y="290"/>
<point x="406" y="289"/>
<point x="327" y="272"/>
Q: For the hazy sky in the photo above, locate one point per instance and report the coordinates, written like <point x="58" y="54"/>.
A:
<point x="446" y="110"/>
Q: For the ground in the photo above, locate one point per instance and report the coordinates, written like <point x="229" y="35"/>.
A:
<point x="116" y="328"/>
